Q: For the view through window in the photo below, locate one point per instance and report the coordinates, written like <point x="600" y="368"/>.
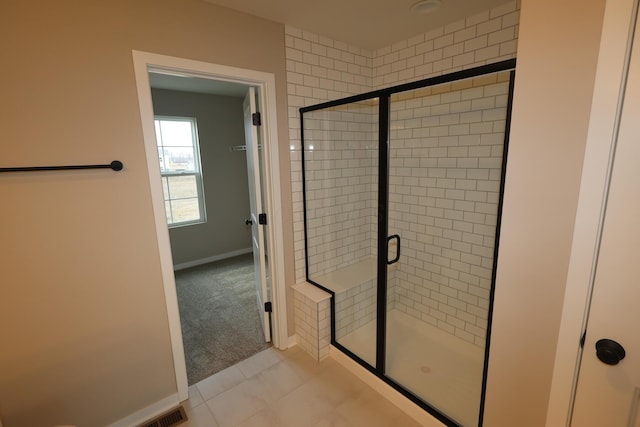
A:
<point x="179" y="157"/>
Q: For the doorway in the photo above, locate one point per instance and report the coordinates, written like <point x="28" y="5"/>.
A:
<point x="200" y="132"/>
<point x="264" y="84"/>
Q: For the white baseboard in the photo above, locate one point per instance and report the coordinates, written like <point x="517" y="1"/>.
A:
<point x="220" y="257"/>
<point x="149" y="412"/>
<point x="292" y="342"/>
<point x="408" y="407"/>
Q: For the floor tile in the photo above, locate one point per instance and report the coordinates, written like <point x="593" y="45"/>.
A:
<point x="264" y="418"/>
<point x="195" y="399"/>
<point x="303" y="407"/>
<point x="277" y="381"/>
<point x="258" y="362"/>
<point x="235" y="405"/>
<point x="335" y="384"/>
<point x="220" y="382"/>
<point x="335" y="420"/>
<point x="200" y="416"/>
<point x="305" y="365"/>
<point x="368" y="408"/>
<point x="289" y="389"/>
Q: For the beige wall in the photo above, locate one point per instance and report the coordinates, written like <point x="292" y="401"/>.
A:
<point x="83" y="323"/>
<point x="220" y="121"/>
<point x="557" y="52"/>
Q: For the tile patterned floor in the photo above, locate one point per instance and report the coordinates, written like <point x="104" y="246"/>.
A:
<point x="289" y="389"/>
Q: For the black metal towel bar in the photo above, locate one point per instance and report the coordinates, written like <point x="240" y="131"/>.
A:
<point x="116" y="165"/>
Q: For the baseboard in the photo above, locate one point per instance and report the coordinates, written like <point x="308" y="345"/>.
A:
<point x="220" y="257"/>
<point x="149" y="412"/>
<point x="408" y="407"/>
<point x="292" y="342"/>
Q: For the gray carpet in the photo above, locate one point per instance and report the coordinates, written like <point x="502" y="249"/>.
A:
<point x="219" y="315"/>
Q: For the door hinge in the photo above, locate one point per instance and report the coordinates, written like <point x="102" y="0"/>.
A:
<point x="256" y="119"/>
<point x="267" y="307"/>
<point x="582" y="338"/>
<point x="262" y="219"/>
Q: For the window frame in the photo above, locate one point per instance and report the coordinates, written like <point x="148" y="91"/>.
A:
<point x="197" y="173"/>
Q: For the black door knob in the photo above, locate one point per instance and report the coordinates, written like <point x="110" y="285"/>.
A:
<point x="248" y="222"/>
<point x="609" y="351"/>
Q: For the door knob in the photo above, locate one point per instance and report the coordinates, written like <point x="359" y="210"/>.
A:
<point x="248" y="222"/>
<point x="609" y="351"/>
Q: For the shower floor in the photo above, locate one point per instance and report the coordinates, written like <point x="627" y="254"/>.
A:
<point x="439" y="368"/>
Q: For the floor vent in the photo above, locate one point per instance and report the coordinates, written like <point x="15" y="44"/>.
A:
<point x="169" y="419"/>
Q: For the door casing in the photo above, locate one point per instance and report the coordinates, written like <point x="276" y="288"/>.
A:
<point x="265" y="86"/>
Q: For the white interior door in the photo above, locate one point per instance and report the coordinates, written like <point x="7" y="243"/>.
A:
<point x="608" y="392"/>
<point x="252" y="138"/>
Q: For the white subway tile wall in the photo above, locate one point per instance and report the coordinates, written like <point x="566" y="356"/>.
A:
<point x="341" y="171"/>
<point x="444" y="181"/>
<point x="324" y="328"/>
<point x="320" y="69"/>
<point x="305" y="311"/>
<point x="313" y="321"/>
<point x="355" y="307"/>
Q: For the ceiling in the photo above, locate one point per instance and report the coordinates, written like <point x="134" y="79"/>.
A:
<point x="369" y="24"/>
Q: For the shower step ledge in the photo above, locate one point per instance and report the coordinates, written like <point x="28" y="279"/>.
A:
<point x="351" y="276"/>
<point x="312" y="292"/>
<point x="312" y="319"/>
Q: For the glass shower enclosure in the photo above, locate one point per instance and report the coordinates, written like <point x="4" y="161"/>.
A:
<point x="402" y="198"/>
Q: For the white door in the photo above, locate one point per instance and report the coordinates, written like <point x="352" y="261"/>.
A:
<point x="608" y="392"/>
<point x="252" y="138"/>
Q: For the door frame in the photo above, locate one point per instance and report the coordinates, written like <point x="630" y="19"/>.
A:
<point x="265" y="86"/>
<point x="606" y="106"/>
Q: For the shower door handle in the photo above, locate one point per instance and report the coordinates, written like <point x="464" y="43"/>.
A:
<point x="397" y="237"/>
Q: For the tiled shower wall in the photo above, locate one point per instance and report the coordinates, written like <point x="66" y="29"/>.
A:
<point x="487" y="37"/>
<point x="445" y="170"/>
<point x="320" y="69"/>
<point x="341" y="172"/>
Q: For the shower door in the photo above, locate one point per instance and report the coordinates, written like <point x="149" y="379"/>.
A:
<point x="445" y="172"/>
<point x="402" y="193"/>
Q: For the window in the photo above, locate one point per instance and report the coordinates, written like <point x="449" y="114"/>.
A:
<point x="179" y="155"/>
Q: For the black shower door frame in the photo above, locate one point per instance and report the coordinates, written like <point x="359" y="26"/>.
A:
<point x="384" y="96"/>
